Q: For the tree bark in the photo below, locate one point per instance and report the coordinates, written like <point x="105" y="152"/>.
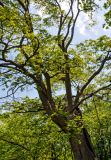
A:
<point x="80" y="141"/>
<point x="81" y="146"/>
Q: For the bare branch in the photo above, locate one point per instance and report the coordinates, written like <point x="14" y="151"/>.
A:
<point x="62" y="19"/>
<point x="14" y="90"/>
<point x="22" y="4"/>
<point x="94" y="74"/>
<point x="93" y="93"/>
<point x="68" y="27"/>
<point x="72" y="29"/>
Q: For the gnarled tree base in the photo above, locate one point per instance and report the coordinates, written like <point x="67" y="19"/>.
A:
<point x="82" y="147"/>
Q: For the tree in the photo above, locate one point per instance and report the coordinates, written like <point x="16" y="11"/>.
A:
<point x="26" y="132"/>
<point x="97" y="119"/>
<point x="30" y="54"/>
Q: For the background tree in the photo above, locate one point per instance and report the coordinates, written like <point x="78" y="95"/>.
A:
<point x="26" y="132"/>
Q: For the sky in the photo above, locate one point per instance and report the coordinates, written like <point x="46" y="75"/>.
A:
<point x="83" y="31"/>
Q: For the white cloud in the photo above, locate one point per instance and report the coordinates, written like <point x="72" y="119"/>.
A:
<point x="81" y="24"/>
<point x="84" y="28"/>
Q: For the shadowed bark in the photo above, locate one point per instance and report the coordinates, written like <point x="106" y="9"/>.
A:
<point x="82" y="147"/>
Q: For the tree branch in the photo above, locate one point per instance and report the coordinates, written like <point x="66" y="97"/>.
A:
<point x="94" y="75"/>
<point x="93" y="93"/>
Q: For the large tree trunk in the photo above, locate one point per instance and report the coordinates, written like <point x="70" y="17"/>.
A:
<point x="81" y="146"/>
<point x="80" y="141"/>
